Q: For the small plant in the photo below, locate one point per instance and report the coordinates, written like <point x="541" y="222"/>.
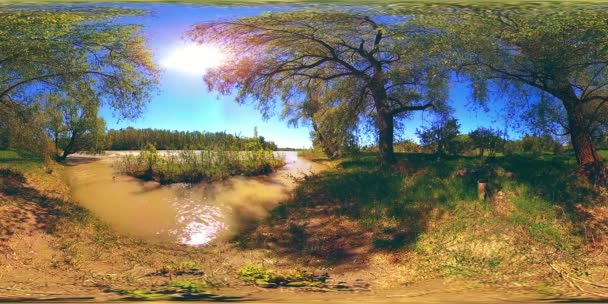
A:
<point x="189" y="286"/>
<point x="264" y="277"/>
<point x="182" y="268"/>
<point x="257" y="274"/>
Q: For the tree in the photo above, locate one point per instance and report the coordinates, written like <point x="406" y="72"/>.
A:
<point x="556" y="52"/>
<point x="45" y="51"/>
<point x="73" y="123"/>
<point x="486" y="139"/>
<point x="440" y="136"/>
<point x="328" y="64"/>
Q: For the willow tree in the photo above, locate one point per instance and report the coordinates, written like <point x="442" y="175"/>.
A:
<point x="563" y="53"/>
<point x="72" y="121"/>
<point x="45" y="50"/>
<point x="328" y="64"/>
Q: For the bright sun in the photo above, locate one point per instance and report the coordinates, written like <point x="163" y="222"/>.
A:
<point x="193" y="59"/>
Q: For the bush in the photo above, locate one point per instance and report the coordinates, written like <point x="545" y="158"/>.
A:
<point x="195" y="166"/>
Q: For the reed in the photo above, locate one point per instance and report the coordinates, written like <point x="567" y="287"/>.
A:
<point x="191" y="166"/>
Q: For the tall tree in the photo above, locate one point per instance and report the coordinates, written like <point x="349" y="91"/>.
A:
<point x="560" y="52"/>
<point x="312" y="62"/>
<point x="73" y="122"/>
<point x="44" y="50"/>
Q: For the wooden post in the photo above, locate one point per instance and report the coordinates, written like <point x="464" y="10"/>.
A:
<point x="481" y="190"/>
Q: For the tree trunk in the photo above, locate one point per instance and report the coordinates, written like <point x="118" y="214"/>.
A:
<point x="385" y="138"/>
<point x="68" y="149"/>
<point x="590" y="164"/>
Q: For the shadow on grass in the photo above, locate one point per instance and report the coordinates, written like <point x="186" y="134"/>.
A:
<point x="362" y="206"/>
<point x="33" y="209"/>
<point x="359" y="208"/>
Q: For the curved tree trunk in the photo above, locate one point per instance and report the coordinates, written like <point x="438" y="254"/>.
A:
<point x="68" y="149"/>
<point x="590" y="164"/>
<point x="385" y="138"/>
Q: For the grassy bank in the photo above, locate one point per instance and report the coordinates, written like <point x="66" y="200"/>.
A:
<point x="195" y="166"/>
<point x="425" y="214"/>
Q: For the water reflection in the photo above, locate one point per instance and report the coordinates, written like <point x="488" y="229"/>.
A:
<point x="187" y="214"/>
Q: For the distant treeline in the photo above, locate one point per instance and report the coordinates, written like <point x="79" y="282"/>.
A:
<point x="135" y="139"/>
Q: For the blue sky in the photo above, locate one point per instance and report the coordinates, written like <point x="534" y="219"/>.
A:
<point x="183" y="102"/>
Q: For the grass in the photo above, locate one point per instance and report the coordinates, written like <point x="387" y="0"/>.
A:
<point x="312" y="154"/>
<point x="428" y="209"/>
<point x="196" y="166"/>
<point x="24" y="163"/>
<point x="261" y="276"/>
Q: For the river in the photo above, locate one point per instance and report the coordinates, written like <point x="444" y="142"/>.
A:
<point x="191" y="214"/>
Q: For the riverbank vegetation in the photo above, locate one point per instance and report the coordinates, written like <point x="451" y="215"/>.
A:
<point x="191" y="166"/>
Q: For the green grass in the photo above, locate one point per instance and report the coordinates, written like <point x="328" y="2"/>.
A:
<point x="265" y="277"/>
<point x="429" y="207"/>
<point x="24" y="163"/>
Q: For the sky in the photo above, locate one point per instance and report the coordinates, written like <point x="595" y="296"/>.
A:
<point x="183" y="102"/>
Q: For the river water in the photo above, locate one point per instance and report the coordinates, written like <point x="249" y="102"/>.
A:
<point x="192" y="214"/>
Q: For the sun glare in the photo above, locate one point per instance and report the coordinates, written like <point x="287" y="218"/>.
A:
<point x="193" y="59"/>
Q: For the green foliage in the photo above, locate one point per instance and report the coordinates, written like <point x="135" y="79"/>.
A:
<point x="194" y="166"/>
<point x="134" y="139"/>
<point x="69" y="61"/>
<point x="546" y="62"/>
<point x="486" y="139"/>
<point x="253" y="274"/>
<point x="262" y="276"/>
<point x="407" y="146"/>
<point x="50" y="49"/>
<point x="336" y="69"/>
<point x="73" y="122"/>
<point x="441" y="136"/>
<point x="189" y="286"/>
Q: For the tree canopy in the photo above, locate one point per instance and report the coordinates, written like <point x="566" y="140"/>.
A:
<point x="557" y="54"/>
<point x="55" y="50"/>
<point x="46" y="50"/>
<point x="334" y="68"/>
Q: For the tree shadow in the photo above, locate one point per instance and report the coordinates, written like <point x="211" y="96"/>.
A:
<point x="364" y="207"/>
<point x="34" y="210"/>
<point x="339" y="215"/>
